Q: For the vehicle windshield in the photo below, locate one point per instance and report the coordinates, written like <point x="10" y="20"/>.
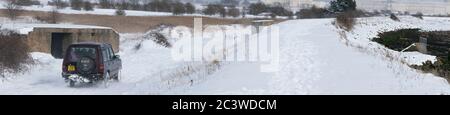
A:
<point x="75" y="53"/>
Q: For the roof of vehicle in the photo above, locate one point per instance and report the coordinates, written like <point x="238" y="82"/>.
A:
<point x="90" y="43"/>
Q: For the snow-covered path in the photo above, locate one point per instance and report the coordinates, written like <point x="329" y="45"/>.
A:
<point x="313" y="63"/>
<point x="237" y="78"/>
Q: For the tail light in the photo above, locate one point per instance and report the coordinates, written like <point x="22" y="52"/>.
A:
<point x="64" y="68"/>
<point x="101" y="68"/>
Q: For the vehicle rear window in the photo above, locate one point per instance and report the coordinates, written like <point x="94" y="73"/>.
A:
<point x="75" y="53"/>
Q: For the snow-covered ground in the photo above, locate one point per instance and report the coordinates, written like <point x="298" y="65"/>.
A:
<point x="315" y="58"/>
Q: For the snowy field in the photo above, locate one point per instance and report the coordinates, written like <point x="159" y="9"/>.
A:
<point x="315" y="58"/>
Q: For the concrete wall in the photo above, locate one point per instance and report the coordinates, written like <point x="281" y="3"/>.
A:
<point x="40" y="38"/>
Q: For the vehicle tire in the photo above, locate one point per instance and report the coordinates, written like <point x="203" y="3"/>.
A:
<point x="106" y="79"/>
<point x="71" y="83"/>
<point x="117" y="76"/>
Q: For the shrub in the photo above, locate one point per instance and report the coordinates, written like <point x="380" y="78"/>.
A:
<point x="60" y="4"/>
<point x="418" y="15"/>
<point x="222" y="11"/>
<point x="136" y="5"/>
<point x="257" y="8"/>
<point x="161" y="39"/>
<point x="106" y="4"/>
<point x="76" y="4"/>
<point x="28" y="2"/>
<point x="343" y="5"/>
<point x="120" y="12"/>
<point x="123" y="5"/>
<point x="159" y="6"/>
<point x="190" y="9"/>
<point x="398" y="39"/>
<point x="155" y="37"/>
<point x="233" y="12"/>
<point x="178" y="8"/>
<point x="313" y="12"/>
<point x="439" y="68"/>
<point x="14" y="50"/>
<point x="394" y="17"/>
<point x="279" y="11"/>
<point x="346" y="21"/>
<point x="213" y="9"/>
<point x="88" y="6"/>
<point x="210" y="10"/>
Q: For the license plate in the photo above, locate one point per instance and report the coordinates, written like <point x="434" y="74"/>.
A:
<point x="70" y="68"/>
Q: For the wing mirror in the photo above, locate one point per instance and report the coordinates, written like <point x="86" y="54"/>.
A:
<point x="117" y="57"/>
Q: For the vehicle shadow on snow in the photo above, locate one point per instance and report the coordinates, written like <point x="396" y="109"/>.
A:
<point x="92" y="85"/>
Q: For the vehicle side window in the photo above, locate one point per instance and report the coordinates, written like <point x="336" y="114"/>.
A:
<point x="111" y="52"/>
<point x="105" y="54"/>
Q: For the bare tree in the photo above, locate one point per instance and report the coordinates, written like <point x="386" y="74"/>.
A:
<point x="88" y="6"/>
<point x="107" y="4"/>
<point x="190" y="9"/>
<point x="13" y="10"/>
<point x="178" y="8"/>
<point x="233" y="12"/>
<point x="60" y="4"/>
<point x="76" y="4"/>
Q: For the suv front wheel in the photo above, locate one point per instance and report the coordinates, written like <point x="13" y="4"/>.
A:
<point x="117" y="76"/>
<point x="71" y="83"/>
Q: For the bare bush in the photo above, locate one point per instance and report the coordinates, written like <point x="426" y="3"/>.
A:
<point x="394" y="17"/>
<point x="13" y="10"/>
<point x="155" y="37"/>
<point x="14" y="50"/>
<point x="346" y="21"/>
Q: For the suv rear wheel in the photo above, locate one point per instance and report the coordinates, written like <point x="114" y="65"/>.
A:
<point x="106" y="79"/>
<point x="71" y="83"/>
